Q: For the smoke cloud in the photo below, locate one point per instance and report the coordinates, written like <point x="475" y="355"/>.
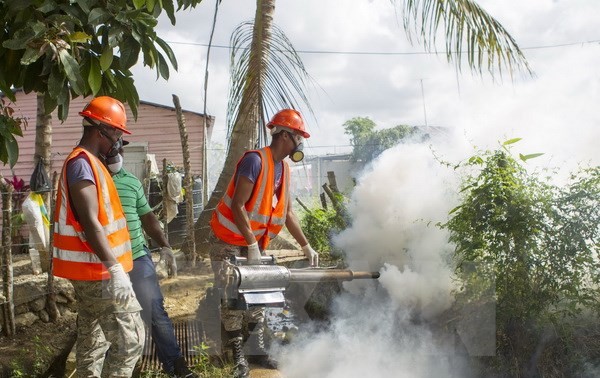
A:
<point x="391" y="327"/>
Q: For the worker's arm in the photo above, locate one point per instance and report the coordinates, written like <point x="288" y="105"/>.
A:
<point x="241" y="195"/>
<point x="293" y="225"/>
<point x="151" y="226"/>
<point x="85" y="202"/>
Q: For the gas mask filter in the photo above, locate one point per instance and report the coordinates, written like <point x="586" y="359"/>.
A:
<point x="297" y="154"/>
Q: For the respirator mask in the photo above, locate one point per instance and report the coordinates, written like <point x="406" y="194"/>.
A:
<point x="297" y="154"/>
<point x="114" y="160"/>
<point x="114" y="150"/>
<point x="114" y="163"/>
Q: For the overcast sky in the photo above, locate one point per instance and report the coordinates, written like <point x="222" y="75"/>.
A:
<point x="556" y="112"/>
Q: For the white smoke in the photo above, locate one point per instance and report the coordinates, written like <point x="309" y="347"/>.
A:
<point x="387" y="328"/>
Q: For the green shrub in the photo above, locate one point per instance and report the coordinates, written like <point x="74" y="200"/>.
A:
<point x="535" y="247"/>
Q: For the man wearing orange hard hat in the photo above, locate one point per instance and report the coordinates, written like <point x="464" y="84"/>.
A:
<point x="247" y="218"/>
<point x="91" y="247"/>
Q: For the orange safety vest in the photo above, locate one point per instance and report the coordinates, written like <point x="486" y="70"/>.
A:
<point x="72" y="256"/>
<point x="265" y="220"/>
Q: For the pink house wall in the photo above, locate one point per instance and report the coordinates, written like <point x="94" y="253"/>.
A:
<point x="156" y="126"/>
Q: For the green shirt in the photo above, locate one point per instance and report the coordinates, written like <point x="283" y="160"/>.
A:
<point x="134" y="205"/>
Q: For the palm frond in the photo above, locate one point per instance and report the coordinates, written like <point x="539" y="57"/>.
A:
<point x="486" y="43"/>
<point x="277" y="81"/>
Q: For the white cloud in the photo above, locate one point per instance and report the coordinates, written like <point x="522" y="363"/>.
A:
<point x="554" y="112"/>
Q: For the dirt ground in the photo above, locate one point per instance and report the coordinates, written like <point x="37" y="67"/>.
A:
<point x="31" y="345"/>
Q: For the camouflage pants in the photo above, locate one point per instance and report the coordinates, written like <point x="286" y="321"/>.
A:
<point x="232" y="319"/>
<point x="110" y="337"/>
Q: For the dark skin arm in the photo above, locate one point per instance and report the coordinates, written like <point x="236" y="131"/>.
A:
<point x="241" y="195"/>
<point x="151" y="226"/>
<point x="293" y="225"/>
<point x="85" y="203"/>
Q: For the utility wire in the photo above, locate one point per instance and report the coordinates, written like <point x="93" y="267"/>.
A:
<point x="392" y="53"/>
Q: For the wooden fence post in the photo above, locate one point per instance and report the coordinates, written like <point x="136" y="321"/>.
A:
<point x="51" y="307"/>
<point x="303" y="205"/>
<point x="187" y="183"/>
<point x="332" y="181"/>
<point x="323" y="201"/>
<point x="336" y="204"/>
<point x="165" y="194"/>
<point x="7" y="263"/>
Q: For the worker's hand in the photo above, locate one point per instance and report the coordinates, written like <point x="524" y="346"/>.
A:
<point x="311" y="255"/>
<point x="167" y="255"/>
<point x="120" y="285"/>
<point x="253" y="254"/>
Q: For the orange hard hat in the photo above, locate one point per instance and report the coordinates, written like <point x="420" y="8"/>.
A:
<point x="289" y="118"/>
<point x="107" y="110"/>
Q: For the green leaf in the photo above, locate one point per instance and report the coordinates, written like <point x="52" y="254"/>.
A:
<point x="12" y="149"/>
<point x="475" y="160"/>
<point x="14" y="126"/>
<point x="115" y="35"/>
<point x="30" y="56"/>
<point x="130" y="51"/>
<point x="86" y="5"/>
<point x="63" y="109"/>
<point x="95" y="76"/>
<point x="7" y="91"/>
<point x="167" y="49"/>
<point x="455" y="210"/>
<point x="130" y="94"/>
<point x="106" y="58"/>
<point x="163" y="67"/>
<point x="138" y="4"/>
<point x="49" y="103"/>
<point x="511" y="141"/>
<point x="3" y="153"/>
<point x="55" y="82"/>
<point x="170" y="9"/>
<point x="71" y="68"/>
<point x="19" y="39"/>
<point x="39" y="28"/>
<point x="150" y="5"/>
<point x="98" y="16"/>
<point x="47" y="6"/>
<point x="148" y="21"/>
<point x="530" y="156"/>
<point x="79" y="37"/>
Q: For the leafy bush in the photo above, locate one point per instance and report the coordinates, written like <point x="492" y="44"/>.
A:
<point x="535" y="245"/>
<point x="319" y="225"/>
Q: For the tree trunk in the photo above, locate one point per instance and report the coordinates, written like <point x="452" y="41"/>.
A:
<point x="245" y="131"/>
<point x="190" y="246"/>
<point x="43" y="144"/>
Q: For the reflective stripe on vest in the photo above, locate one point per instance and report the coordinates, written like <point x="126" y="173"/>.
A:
<point x="265" y="221"/>
<point x="73" y="257"/>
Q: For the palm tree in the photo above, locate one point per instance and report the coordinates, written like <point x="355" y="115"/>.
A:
<point x="269" y="75"/>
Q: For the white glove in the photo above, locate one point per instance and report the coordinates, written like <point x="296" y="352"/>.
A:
<point x="120" y="285"/>
<point x="167" y="255"/>
<point x="311" y="255"/>
<point x="253" y="254"/>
